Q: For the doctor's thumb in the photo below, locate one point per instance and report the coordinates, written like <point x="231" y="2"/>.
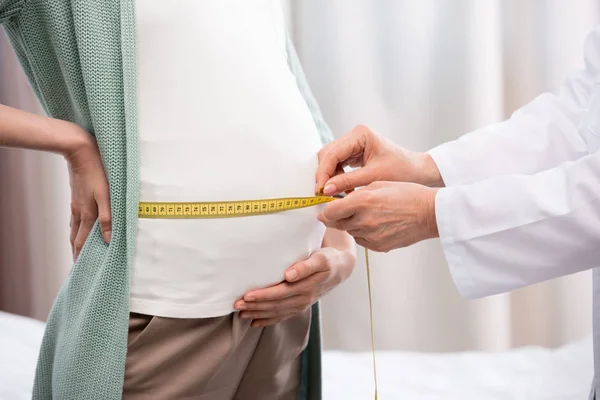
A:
<point x="349" y="181"/>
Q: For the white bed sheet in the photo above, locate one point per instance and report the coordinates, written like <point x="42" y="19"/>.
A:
<point x="20" y="339"/>
<point x="527" y="373"/>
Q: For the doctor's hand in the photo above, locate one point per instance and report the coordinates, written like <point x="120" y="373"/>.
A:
<point x="385" y="215"/>
<point x="380" y="159"/>
<point x="305" y="282"/>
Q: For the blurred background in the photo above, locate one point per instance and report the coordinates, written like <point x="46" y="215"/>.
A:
<point x="420" y="73"/>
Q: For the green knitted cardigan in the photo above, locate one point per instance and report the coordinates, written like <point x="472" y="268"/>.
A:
<point x="79" y="57"/>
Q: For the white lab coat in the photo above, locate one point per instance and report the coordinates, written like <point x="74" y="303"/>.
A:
<point x="522" y="198"/>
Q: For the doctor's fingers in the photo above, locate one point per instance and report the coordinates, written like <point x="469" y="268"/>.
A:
<point x="381" y="241"/>
<point x="342" y="209"/>
<point x="331" y="158"/>
<point x="349" y="181"/>
<point x="346" y="150"/>
<point x="373" y="246"/>
<point x="354" y="223"/>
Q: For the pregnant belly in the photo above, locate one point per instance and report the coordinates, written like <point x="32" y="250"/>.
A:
<point x="201" y="267"/>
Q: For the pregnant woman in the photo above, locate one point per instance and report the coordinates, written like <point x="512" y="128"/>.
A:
<point x="193" y="101"/>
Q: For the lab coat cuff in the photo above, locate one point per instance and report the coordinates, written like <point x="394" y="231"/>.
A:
<point x="454" y="251"/>
<point x="446" y="164"/>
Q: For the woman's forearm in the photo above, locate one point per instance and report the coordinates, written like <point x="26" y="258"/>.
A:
<point x="339" y="240"/>
<point x="26" y="130"/>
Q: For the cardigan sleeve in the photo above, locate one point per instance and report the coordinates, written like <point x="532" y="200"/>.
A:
<point x="9" y="9"/>
<point x="296" y="68"/>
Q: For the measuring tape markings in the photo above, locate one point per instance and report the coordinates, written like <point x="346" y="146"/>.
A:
<point x="243" y="208"/>
<point x="226" y="209"/>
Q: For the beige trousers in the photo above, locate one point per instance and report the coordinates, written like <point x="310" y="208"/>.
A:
<point x="219" y="358"/>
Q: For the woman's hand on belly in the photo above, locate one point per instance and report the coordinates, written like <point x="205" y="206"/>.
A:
<point x="306" y="282"/>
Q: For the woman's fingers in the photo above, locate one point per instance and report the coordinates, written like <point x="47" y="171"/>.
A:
<point x="317" y="262"/>
<point x="90" y="197"/>
<point x="273" y="293"/>
<point x="84" y="217"/>
<point x="274" y="309"/>
<point x="74" y="224"/>
<point x="102" y="198"/>
<point x="88" y="216"/>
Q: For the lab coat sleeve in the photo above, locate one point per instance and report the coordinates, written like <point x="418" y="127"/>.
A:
<point x="510" y="231"/>
<point x="537" y="137"/>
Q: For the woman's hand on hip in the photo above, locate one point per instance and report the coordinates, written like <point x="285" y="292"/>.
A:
<point x="385" y="215"/>
<point x="89" y="187"/>
<point x="305" y="283"/>
<point x="379" y="159"/>
<point x="90" y="200"/>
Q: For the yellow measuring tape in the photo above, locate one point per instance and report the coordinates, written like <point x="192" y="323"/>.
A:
<point x="247" y="208"/>
<point x="227" y="209"/>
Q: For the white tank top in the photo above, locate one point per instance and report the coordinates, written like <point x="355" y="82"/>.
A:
<point x="220" y="118"/>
